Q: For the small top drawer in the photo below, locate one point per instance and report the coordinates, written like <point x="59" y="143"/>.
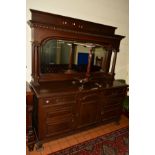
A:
<point x="59" y="100"/>
<point x="113" y="101"/>
<point x="114" y="92"/>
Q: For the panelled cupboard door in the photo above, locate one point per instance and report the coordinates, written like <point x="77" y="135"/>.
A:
<point x="89" y="109"/>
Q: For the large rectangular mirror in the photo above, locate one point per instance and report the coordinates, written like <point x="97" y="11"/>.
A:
<point x="59" y="56"/>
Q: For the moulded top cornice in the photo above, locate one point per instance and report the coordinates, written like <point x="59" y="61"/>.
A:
<point x="71" y="23"/>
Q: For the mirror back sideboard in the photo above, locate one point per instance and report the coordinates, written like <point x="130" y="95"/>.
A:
<point x="74" y="84"/>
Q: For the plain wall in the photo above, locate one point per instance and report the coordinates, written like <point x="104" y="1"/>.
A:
<point x="108" y="12"/>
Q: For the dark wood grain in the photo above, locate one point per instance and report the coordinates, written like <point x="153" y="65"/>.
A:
<point x="29" y="108"/>
<point x="63" y="107"/>
<point x="47" y="26"/>
<point x="69" y="102"/>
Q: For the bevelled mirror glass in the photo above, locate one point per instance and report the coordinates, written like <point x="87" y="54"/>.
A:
<point x="59" y="56"/>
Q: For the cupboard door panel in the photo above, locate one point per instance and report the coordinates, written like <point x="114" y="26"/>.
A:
<point x="89" y="109"/>
<point x="88" y="114"/>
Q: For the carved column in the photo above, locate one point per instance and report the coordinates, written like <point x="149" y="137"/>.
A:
<point x="72" y="51"/>
<point x="103" y="63"/>
<point x="106" y="62"/>
<point x="32" y="60"/>
<point x="114" y="63"/>
<point x="35" y="62"/>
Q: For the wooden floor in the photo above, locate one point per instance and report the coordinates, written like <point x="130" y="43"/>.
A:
<point x="68" y="141"/>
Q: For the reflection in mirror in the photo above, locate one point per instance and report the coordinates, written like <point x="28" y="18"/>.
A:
<point x="67" y="56"/>
<point x="100" y="54"/>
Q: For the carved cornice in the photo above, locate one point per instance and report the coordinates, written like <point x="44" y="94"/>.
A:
<point x="76" y="31"/>
<point x="71" y="23"/>
<point x="71" y="28"/>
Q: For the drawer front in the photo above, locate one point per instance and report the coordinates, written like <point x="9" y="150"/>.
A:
<point x="116" y="92"/>
<point x="110" y="107"/>
<point x="58" y="123"/>
<point x="111" y="113"/>
<point x="113" y="101"/>
<point x="58" y="128"/>
<point x="61" y="104"/>
<point x="56" y="100"/>
<point x="59" y="107"/>
<point x="58" y="115"/>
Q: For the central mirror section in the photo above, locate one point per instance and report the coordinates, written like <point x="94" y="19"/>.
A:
<point x="60" y="56"/>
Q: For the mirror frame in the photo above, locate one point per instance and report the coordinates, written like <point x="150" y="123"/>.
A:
<point x="45" y="26"/>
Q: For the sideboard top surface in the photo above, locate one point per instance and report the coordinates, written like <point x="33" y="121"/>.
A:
<point x="46" y="89"/>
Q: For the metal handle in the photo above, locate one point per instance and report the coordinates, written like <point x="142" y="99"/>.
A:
<point x="47" y="101"/>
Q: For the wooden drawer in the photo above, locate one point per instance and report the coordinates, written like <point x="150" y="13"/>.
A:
<point x="58" y="123"/>
<point x="56" y="100"/>
<point x="113" y="101"/>
<point x="58" y="128"/>
<point x="113" y="92"/>
<point x="111" y="113"/>
<point x="58" y="115"/>
<point x="50" y="109"/>
<point x="110" y="107"/>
